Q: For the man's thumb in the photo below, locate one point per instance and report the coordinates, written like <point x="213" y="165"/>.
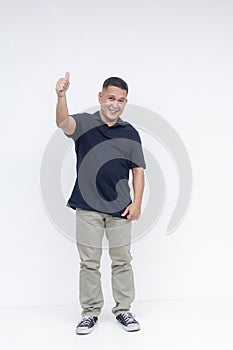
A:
<point x="67" y="75"/>
<point x="125" y="212"/>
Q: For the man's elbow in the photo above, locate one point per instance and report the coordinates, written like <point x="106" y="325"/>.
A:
<point x="62" y="124"/>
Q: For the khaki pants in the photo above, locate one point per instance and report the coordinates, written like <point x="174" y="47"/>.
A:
<point x="90" y="228"/>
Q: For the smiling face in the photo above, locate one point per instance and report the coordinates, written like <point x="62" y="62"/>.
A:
<point x="112" y="103"/>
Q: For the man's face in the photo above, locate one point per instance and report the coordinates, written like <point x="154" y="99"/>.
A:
<point x="112" y="103"/>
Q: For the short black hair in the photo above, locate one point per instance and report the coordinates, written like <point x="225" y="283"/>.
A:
<point x="115" y="81"/>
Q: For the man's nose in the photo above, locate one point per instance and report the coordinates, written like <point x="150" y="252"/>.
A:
<point x="115" y="104"/>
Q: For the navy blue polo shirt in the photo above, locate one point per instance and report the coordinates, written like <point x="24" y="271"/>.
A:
<point x="105" y="155"/>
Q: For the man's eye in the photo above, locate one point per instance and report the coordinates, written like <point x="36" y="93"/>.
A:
<point x="121" y="101"/>
<point x="111" y="98"/>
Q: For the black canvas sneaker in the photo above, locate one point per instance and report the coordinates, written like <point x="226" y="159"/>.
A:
<point x="86" y="325"/>
<point x="128" y="322"/>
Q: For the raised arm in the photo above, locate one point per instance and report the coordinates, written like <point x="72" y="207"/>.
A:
<point x="63" y="120"/>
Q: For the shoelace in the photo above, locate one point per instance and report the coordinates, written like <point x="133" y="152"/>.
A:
<point x="85" y="322"/>
<point x="127" y="316"/>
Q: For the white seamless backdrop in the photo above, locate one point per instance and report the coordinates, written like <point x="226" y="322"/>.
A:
<point x="177" y="57"/>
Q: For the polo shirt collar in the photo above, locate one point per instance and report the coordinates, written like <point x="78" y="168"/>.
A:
<point x="119" y="121"/>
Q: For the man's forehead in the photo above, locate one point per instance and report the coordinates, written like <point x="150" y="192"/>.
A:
<point x="116" y="91"/>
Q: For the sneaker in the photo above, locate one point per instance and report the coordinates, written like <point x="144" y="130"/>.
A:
<point x="86" y="325"/>
<point x="128" y="322"/>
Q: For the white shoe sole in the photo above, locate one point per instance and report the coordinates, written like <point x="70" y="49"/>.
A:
<point x="131" y="328"/>
<point x="82" y="330"/>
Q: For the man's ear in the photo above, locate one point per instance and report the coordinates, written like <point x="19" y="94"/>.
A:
<point x="100" y="95"/>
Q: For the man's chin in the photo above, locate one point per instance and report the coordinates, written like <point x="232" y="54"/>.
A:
<point x="112" y="117"/>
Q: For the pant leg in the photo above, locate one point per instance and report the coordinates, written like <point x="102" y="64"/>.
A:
<point x="118" y="232"/>
<point x="89" y="235"/>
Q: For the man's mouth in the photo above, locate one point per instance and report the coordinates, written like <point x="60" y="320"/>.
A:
<point x="113" y="111"/>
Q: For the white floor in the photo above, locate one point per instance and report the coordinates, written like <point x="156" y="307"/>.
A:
<point x="166" y="324"/>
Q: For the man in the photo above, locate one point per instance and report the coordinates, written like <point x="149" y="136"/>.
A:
<point x="107" y="149"/>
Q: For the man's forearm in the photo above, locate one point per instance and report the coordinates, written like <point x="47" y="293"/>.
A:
<point x="133" y="211"/>
<point x="62" y="113"/>
<point x="138" y="185"/>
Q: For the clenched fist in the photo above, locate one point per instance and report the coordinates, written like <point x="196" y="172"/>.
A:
<point x="63" y="85"/>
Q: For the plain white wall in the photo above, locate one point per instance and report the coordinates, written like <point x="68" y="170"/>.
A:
<point x="177" y="58"/>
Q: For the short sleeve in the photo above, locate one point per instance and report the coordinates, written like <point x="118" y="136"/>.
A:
<point x="137" y="157"/>
<point x="76" y="132"/>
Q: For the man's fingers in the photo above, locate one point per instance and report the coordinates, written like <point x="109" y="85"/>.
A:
<point x="125" y="212"/>
<point x="62" y="87"/>
<point x="63" y="83"/>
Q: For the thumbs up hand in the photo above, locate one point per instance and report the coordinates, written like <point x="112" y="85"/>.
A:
<point x="63" y="85"/>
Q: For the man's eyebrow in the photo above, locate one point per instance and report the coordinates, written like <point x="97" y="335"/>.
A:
<point x="112" y="95"/>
